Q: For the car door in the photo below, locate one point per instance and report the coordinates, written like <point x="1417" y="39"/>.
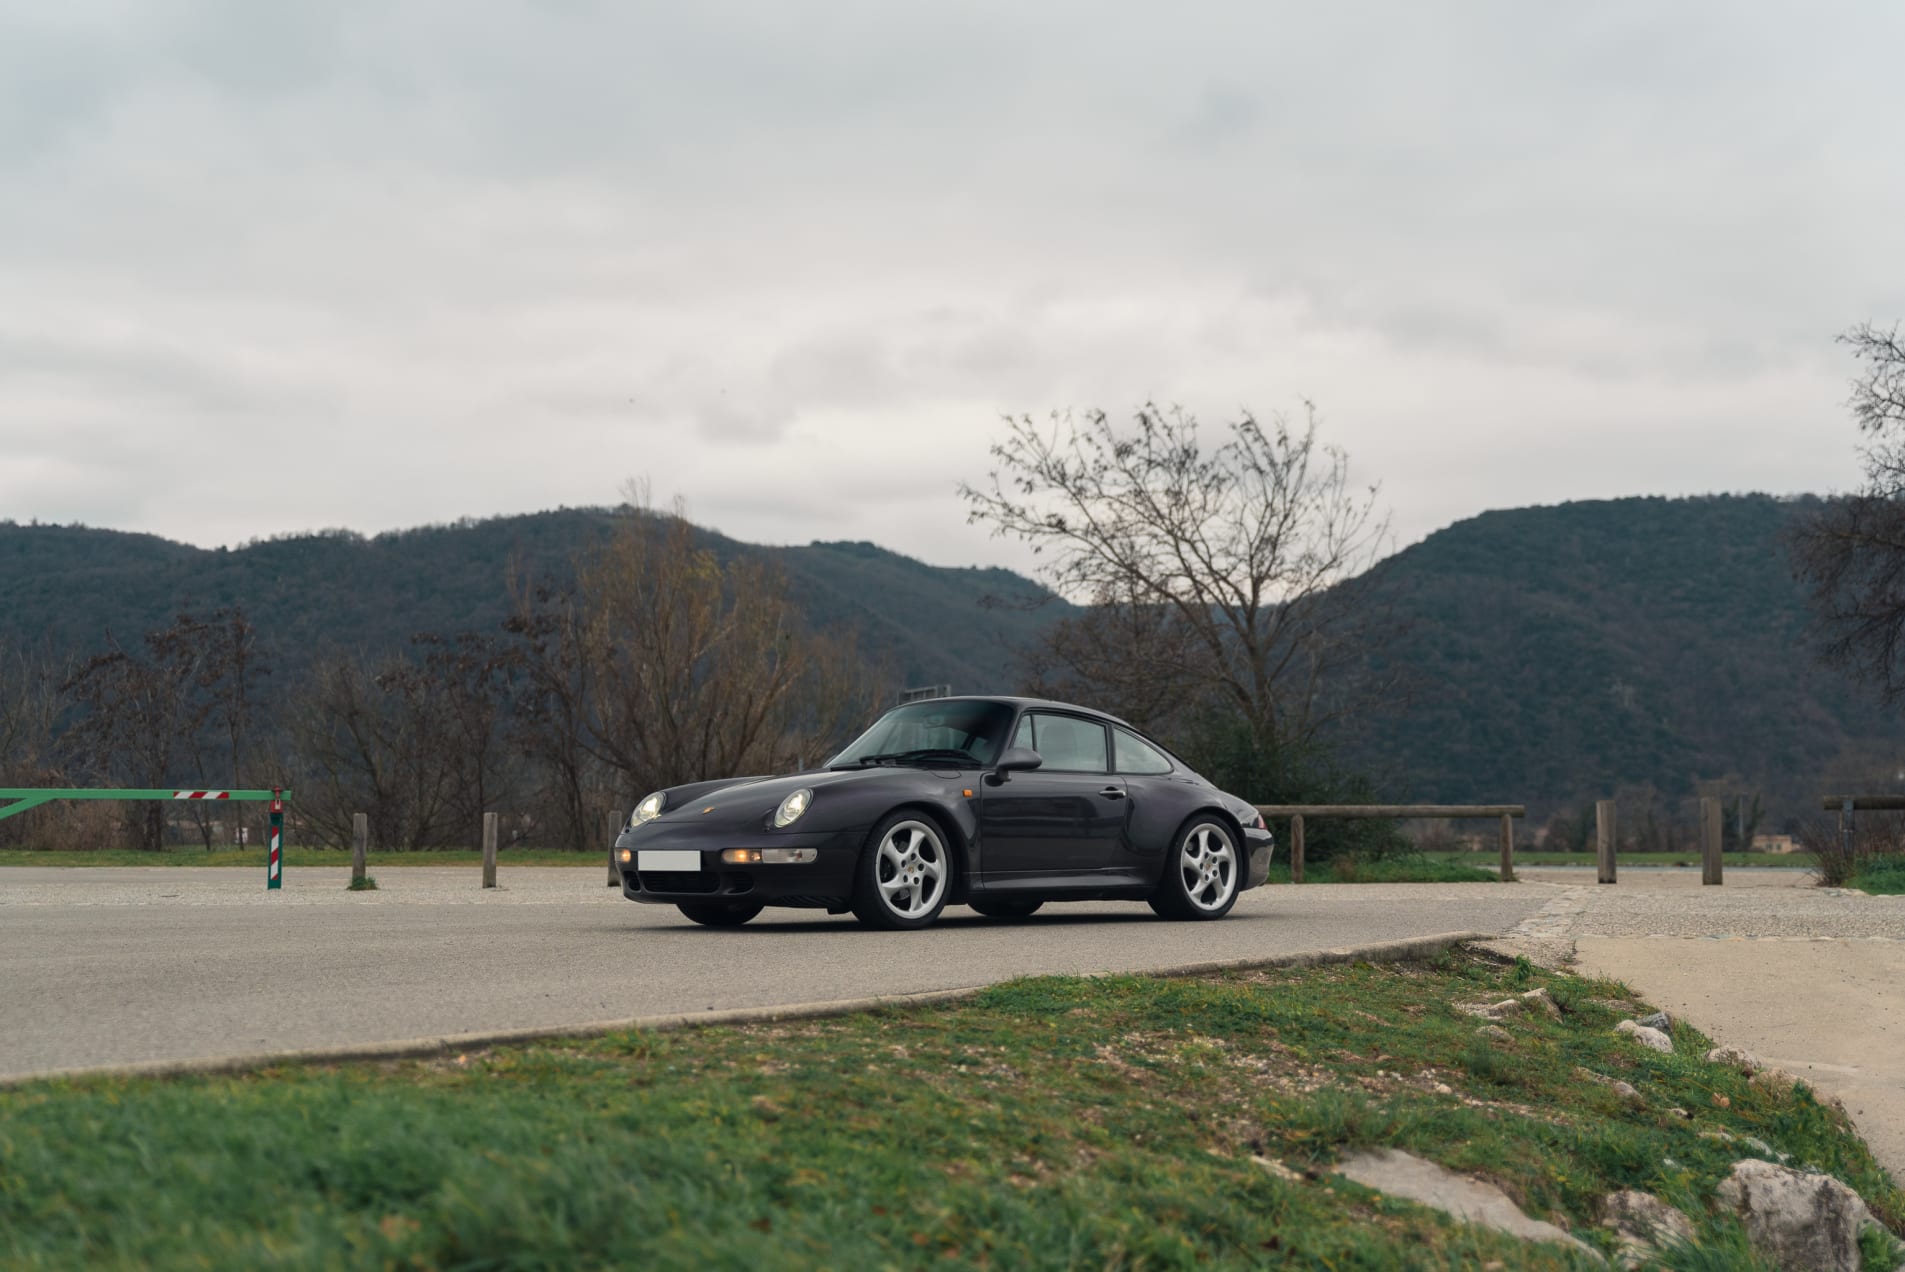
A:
<point x="1066" y="817"/>
<point x="1160" y="797"/>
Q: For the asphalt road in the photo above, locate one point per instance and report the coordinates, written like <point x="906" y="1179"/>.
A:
<point x="117" y="966"/>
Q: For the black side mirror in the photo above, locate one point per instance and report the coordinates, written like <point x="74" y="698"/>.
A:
<point x="1017" y="759"/>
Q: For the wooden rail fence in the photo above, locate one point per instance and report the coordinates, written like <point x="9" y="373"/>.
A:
<point x="1397" y="812"/>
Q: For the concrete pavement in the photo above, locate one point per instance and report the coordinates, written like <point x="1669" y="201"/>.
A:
<point x="1811" y="979"/>
<point x="121" y="966"/>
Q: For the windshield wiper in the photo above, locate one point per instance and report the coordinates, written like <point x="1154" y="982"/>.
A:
<point x="904" y="757"/>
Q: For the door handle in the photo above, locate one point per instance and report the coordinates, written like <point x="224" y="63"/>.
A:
<point x="1113" y="792"/>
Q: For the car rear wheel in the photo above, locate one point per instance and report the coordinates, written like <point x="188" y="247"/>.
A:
<point x="905" y="874"/>
<point x="1006" y="908"/>
<point x="1203" y="871"/>
<point x="719" y="913"/>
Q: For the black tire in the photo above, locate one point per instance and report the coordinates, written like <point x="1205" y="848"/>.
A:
<point x="1006" y="907"/>
<point x="1203" y="873"/>
<point x="905" y="873"/>
<point x="719" y="913"/>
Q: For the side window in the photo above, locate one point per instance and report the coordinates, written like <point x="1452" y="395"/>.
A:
<point x="1070" y="746"/>
<point x="1135" y="755"/>
<point x="1024" y="736"/>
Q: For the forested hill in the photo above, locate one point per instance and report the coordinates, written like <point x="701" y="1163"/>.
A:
<point x="1555" y="654"/>
<point x="66" y="587"/>
<point x="1566" y="652"/>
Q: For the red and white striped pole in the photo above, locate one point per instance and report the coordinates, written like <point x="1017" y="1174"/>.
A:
<point x="274" y="864"/>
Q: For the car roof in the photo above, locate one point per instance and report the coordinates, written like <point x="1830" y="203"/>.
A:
<point x="1030" y="704"/>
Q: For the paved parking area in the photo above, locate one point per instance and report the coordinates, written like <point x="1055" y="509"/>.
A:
<point x="112" y="966"/>
<point x="1812" y="979"/>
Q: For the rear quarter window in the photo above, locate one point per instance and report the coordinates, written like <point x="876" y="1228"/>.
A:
<point x="1134" y="755"/>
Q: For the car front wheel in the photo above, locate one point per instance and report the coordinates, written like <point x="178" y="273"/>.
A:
<point x="904" y="875"/>
<point x="1203" y="871"/>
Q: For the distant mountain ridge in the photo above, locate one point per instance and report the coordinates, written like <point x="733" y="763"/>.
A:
<point x="1564" y="653"/>
<point x="66" y="587"/>
<point x="1556" y="654"/>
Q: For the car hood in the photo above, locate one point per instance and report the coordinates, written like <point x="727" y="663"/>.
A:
<point x="749" y="800"/>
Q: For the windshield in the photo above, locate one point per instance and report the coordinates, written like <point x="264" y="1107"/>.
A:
<point x="937" y="731"/>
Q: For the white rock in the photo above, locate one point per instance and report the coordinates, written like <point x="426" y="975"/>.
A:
<point x="1542" y="1001"/>
<point x="1277" y="1168"/>
<point x="1469" y="1200"/>
<point x="1736" y="1058"/>
<point x="1645" y="1036"/>
<point x="1798" y="1222"/>
<point x="1642" y="1223"/>
<point x="1494" y="1033"/>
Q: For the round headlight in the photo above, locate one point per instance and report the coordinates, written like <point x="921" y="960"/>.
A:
<point x="649" y="809"/>
<point x="792" y="807"/>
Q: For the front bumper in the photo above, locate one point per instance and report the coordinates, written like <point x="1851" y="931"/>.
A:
<point x="1259" y="847"/>
<point x="827" y="880"/>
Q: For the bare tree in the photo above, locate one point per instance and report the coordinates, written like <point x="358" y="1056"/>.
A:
<point x="1226" y="572"/>
<point x="1851" y="553"/>
<point x="30" y="705"/>
<point x="375" y="740"/>
<point x="666" y="664"/>
<point x="142" y="711"/>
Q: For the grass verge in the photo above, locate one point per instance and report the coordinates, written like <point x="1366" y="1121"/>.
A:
<point x="1116" y="1122"/>
<point x="1880" y="876"/>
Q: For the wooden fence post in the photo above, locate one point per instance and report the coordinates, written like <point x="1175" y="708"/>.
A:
<point x="360" y="844"/>
<point x="1710" y="839"/>
<point x="1296" y="848"/>
<point x="615" y="831"/>
<point x="1604" y="839"/>
<point x="1508" y="849"/>
<point x="489" y="850"/>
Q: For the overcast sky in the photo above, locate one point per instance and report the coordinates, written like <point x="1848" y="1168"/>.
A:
<point x="269" y="266"/>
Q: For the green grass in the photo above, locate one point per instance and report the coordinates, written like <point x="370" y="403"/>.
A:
<point x="1881" y="876"/>
<point x="1396" y="870"/>
<point x="1685" y="860"/>
<point x="1053" y="1122"/>
<point x="295" y="857"/>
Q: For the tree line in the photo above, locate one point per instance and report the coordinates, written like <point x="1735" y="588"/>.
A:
<point x="659" y="663"/>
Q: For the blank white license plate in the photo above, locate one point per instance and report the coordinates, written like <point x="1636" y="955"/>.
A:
<point x="668" y="859"/>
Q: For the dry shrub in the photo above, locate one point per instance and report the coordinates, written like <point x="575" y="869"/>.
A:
<point x="1873" y="835"/>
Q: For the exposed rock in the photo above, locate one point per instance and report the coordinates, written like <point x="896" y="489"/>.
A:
<point x="1799" y="1222"/>
<point x="1402" y="1175"/>
<point x="1277" y="1168"/>
<point x="1645" y="1035"/>
<point x="1542" y="1001"/>
<point x="1659" y="1020"/>
<point x="1774" y="1081"/>
<point x="1623" y="1089"/>
<point x="1642" y="1223"/>
<point x="1494" y="1033"/>
<point x="1736" y="1058"/>
<point x="1779" y="1082"/>
<point x="1491" y="1011"/>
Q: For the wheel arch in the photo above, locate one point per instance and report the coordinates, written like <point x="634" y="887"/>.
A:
<point x="1217" y="812"/>
<point x="957" y="839"/>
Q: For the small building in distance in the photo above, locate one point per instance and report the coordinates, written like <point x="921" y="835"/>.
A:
<point x="1775" y="843"/>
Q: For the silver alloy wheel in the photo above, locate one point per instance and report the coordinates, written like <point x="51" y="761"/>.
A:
<point x="1208" y="865"/>
<point x="911" y="869"/>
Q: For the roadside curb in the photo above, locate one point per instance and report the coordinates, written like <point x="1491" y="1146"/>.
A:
<point x="414" y="1048"/>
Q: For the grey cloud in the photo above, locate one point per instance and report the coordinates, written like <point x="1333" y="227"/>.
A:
<point x="530" y="249"/>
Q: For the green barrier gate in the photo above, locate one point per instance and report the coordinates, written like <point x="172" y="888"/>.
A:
<point x="32" y="797"/>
